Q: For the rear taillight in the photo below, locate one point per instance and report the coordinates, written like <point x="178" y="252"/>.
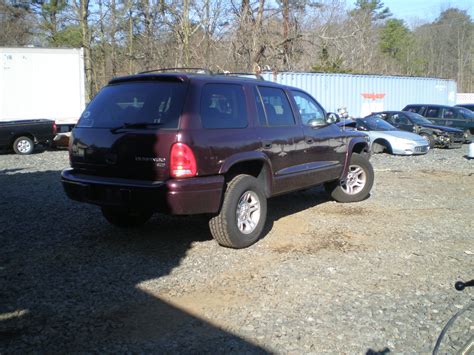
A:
<point x="55" y="128"/>
<point x="182" y="161"/>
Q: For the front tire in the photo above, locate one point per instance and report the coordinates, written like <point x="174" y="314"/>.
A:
<point x="241" y="219"/>
<point x="124" y="218"/>
<point x="357" y="183"/>
<point x="429" y="138"/>
<point x="23" y="145"/>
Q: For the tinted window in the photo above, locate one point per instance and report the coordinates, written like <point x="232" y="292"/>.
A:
<point x="308" y="108"/>
<point x="223" y="106"/>
<point x="416" y="109"/>
<point x="466" y="113"/>
<point x="468" y="106"/>
<point x="277" y="107"/>
<point x="449" y="113"/>
<point x="397" y="119"/>
<point x="432" y="112"/>
<point x="157" y="103"/>
<point x="374" y="123"/>
<point x="418" y="119"/>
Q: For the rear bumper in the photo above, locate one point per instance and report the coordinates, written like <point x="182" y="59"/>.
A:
<point x="176" y="196"/>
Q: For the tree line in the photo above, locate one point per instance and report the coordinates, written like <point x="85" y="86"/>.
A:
<point x="125" y="36"/>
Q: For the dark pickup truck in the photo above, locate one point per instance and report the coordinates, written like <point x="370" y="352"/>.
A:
<point x="22" y="136"/>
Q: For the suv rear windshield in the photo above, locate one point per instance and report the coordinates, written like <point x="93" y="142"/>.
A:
<point x="155" y="103"/>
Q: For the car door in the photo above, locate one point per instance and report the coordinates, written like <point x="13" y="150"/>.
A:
<point x="326" y="145"/>
<point x="5" y="135"/>
<point x="454" y="118"/>
<point x="282" y="139"/>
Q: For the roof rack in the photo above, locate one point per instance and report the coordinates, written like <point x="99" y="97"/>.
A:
<point x="197" y="70"/>
<point x="225" y="73"/>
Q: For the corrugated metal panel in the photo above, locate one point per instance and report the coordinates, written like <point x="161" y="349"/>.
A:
<point x="363" y="94"/>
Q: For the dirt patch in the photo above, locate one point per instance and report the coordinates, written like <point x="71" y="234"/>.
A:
<point x="346" y="210"/>
<point x="314" y="242"/>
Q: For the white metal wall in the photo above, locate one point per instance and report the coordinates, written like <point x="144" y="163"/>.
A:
<point x="363" y="94"/>
<point x="41" y="83"/>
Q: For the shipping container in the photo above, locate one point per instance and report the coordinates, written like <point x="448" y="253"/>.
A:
<point x="363" y="94"/>
<point x="42" y="83"/>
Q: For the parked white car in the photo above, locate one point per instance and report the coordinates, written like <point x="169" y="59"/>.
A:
<point x="385" y="138"/>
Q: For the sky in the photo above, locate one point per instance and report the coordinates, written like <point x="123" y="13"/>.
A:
<point x="425" y="10"/>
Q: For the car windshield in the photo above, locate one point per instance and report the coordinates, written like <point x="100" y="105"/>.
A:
<point x="374" y="123"/>
<point x="418" y="119"/>
<point x="135" y="104"/>
<point x="466" y="113"/>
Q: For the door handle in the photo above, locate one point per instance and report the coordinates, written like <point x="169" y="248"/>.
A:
<point x="267" y="145"/>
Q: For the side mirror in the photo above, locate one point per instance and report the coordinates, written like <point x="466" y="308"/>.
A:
<point x="332" y="117"/>
<point x="316" y="123"/>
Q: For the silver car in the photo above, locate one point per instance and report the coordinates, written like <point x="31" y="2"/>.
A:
<point x="384" y="138"/>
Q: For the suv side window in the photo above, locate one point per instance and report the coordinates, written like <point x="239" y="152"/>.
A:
<point x="308" y="108"/>
<point x="415" y="109"/>
<point x="223" y="106"/>
<point x="449" y="113"/>
<point x="432" y="112"/>
<point x="277" y="107"/>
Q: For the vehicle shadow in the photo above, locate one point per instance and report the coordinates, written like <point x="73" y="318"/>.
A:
<point x="288" y="204"/>
<point x="69" y="282"/>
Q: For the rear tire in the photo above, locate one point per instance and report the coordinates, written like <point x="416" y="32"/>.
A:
<point x="124" y="218"/>
<point x="357" y="183"/>
<point x="241" y="219"/>
<point x="23" y="145"/>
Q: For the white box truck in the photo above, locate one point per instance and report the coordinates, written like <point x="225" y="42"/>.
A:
<point x="42" y="83"/>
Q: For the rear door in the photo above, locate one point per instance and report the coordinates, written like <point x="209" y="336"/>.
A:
<point x="454" y="117"/>
<point x="435" y="115"/>
<point x="282" y="139"/>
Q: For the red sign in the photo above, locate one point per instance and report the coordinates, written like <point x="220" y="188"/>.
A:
<point x="373" y="96"/>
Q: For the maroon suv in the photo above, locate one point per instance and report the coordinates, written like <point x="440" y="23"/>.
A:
<point x="182" y="144"/>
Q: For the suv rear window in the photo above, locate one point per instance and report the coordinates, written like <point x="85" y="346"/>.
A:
<point x="223" y="106"/>
<point x="157" y="103"/>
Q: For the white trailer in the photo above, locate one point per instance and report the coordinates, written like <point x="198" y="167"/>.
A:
<point x="40" y="83"/>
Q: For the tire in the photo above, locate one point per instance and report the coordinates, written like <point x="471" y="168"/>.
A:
<point x="360" y="172"/>
<point x="241" y="219"/>
<point x="23" y="145"/>
<point x="380" y="147"/>
<point x="429" y="138"/>
<point x="123" y="218"/>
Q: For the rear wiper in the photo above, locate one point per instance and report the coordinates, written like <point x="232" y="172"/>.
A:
<point x="134" y="125"/>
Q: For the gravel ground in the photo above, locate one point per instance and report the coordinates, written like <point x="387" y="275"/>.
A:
<point x="327" y="277"/>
